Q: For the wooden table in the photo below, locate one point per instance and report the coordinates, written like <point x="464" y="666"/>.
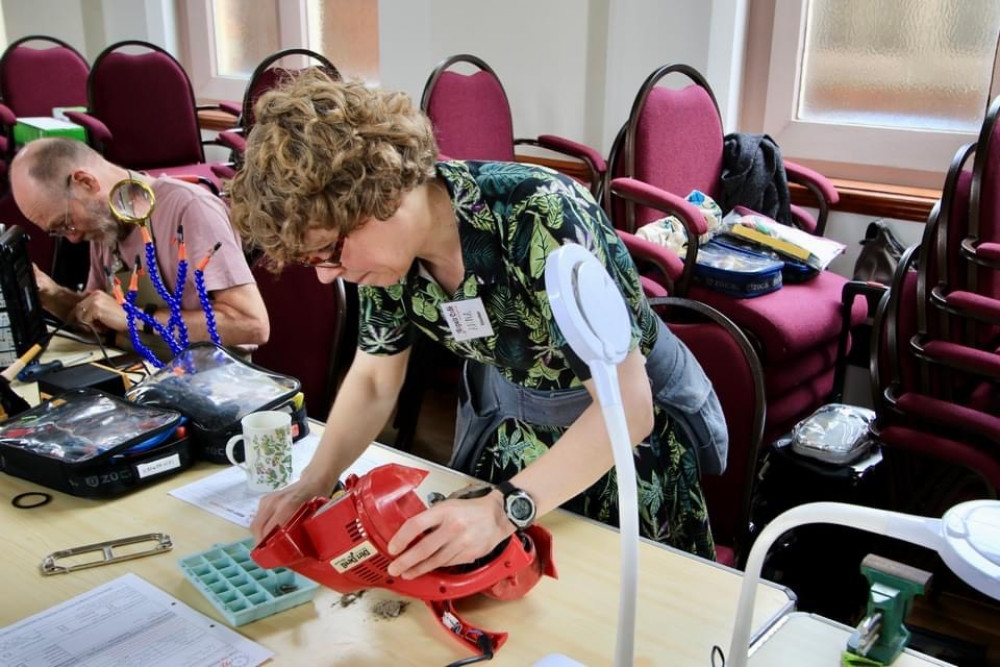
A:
<point x="686" y="603"/>
<point x="807" y="639"/>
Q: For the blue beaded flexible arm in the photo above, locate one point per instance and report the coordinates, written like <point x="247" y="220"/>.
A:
<point x="206" y="305"/>
<point x="131" y="312"/>
<point x="182" y="269"/>
<point x="152" y="267"/>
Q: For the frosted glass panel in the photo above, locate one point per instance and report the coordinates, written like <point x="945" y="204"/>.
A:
<point x="898" y="63"/>
<point x="246" y="32"/>
<point x="346" y="32"/>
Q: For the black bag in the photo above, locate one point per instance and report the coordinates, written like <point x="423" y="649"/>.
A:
<point x="880" y="253"/>
<point x="215" y="389"/>
<point x="92" y="444"/>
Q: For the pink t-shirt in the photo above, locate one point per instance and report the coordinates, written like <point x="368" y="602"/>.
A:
<point x="206" y="222"/>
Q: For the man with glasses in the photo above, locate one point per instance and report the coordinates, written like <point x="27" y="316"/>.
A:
<point x="62" y="186"/>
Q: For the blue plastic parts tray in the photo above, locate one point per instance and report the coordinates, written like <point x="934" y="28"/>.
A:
<point x="240" y="589"/>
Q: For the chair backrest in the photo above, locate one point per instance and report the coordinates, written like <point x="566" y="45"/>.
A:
<point x="268" y="74"/>
<point x="730" y="362"/>
<point x="307" y="323"/>
<point x="470" y="113"/>
<point x="673" y="139"/>
<point x="984" y="205"/>
<point x="146" y="101"/>
<point x="35" y="80"/>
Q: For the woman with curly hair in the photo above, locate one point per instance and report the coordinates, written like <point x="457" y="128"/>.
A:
<point x="345" y="178"/>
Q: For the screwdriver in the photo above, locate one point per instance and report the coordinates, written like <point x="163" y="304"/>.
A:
<point x="32" y="372"/>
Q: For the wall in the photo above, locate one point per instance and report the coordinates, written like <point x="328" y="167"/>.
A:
<point x="91" y="25"/>
<point x="570" y="67"/>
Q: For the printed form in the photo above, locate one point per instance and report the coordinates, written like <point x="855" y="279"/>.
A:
<point x="225" y="494"/>
<point x="125" y="622"/>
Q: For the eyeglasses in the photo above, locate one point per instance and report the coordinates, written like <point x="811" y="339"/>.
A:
<point x="331" y="262"/>
<point x="66" y="226"/>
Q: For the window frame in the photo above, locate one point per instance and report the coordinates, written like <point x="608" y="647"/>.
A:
<point x="867" y="146"/>
<point x="198" y="28"/>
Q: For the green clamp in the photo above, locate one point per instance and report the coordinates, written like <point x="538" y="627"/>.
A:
<point x="881" y="635"/>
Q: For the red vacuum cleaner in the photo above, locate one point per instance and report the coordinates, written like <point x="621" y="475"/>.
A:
<point x="342" y="543"/>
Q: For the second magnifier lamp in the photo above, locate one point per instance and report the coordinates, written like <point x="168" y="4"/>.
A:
<point x="132" y="202"/>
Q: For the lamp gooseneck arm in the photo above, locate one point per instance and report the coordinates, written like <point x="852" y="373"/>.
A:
<point x="918" y="530"/>
<point x="608" y="392"/>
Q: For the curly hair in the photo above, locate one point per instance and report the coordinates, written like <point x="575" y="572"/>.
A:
<point x="327" y="154"/>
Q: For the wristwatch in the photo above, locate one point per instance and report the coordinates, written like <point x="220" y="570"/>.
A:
<point x="517" y="505"/>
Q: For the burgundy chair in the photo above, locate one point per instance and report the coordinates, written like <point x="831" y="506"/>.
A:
<point x="267" y="75"/>
<point x="673" y="144"/>
<point x="308" y="348"/>
<point x="966" y="290"/>
<point x="735" y="371"/>
<point x="472" y="121"/>
<point x="913" y="422"/>
<point x="36" y="78"/>
<point x="142" y="112"/>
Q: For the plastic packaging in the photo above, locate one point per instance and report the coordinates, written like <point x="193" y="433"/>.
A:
<point x="835" y="433"/>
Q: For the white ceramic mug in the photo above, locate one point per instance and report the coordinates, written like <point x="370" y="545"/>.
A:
<point x="267" y="443"/>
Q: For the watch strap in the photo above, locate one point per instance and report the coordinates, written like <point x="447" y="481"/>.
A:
<point x="506" y="488"/>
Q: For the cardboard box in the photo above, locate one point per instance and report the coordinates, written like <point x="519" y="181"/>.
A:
<point x="31" y="128"/>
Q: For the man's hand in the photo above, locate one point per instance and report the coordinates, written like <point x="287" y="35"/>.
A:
<point x="46" y="286"/>
<point x="100" y="310"/>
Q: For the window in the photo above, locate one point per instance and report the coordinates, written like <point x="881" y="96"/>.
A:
<point x="226" y="39"/>
<point x="897" y="84"/>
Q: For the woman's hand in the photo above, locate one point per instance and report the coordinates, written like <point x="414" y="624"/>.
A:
<point x="274" y="508"/>
<point x="457" y="532"/>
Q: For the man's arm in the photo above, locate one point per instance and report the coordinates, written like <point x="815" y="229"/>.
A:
<point x="240" y="315"/>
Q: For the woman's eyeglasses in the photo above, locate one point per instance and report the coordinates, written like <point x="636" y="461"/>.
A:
<point x="331" y="262"/>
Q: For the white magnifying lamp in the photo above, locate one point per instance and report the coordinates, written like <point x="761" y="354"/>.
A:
<point x="591" y="313"/>
<point x="967" y="539"/>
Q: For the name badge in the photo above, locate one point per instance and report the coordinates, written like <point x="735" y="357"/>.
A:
<point x="467" y="319"/>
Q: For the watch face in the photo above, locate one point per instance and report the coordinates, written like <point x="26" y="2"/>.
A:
<point x="521" y="508"/>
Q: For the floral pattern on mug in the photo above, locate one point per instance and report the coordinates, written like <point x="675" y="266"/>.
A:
<point x="272" y="464"/>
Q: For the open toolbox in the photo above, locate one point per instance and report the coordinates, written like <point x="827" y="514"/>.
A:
<point x="240" y="589"/>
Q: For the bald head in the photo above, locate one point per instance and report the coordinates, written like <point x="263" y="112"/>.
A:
<point x="61" y="186"/>
<point x="49" y="162"/>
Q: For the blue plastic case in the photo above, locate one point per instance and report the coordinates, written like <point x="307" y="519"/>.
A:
<point x="737" y="272"/>
<point x="240" y="589"/>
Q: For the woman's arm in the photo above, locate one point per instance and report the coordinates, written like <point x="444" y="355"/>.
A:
<point x="463" y="530"/>
<point x="363" y="405"/>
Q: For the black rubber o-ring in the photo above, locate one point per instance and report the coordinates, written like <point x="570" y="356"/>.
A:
<point x="18" y="500"/>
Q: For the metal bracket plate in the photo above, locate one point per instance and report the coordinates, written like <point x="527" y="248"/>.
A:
<point x="160" y="542"/>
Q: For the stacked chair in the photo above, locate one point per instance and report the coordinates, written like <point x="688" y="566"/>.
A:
<point x="267" y="75"/>
<point x="141" y="111"/>
<point x="472" y="120"/>
<point x="37" y="74"/>
<point x="672" y="144"/>
<point x="936" y="345"/>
